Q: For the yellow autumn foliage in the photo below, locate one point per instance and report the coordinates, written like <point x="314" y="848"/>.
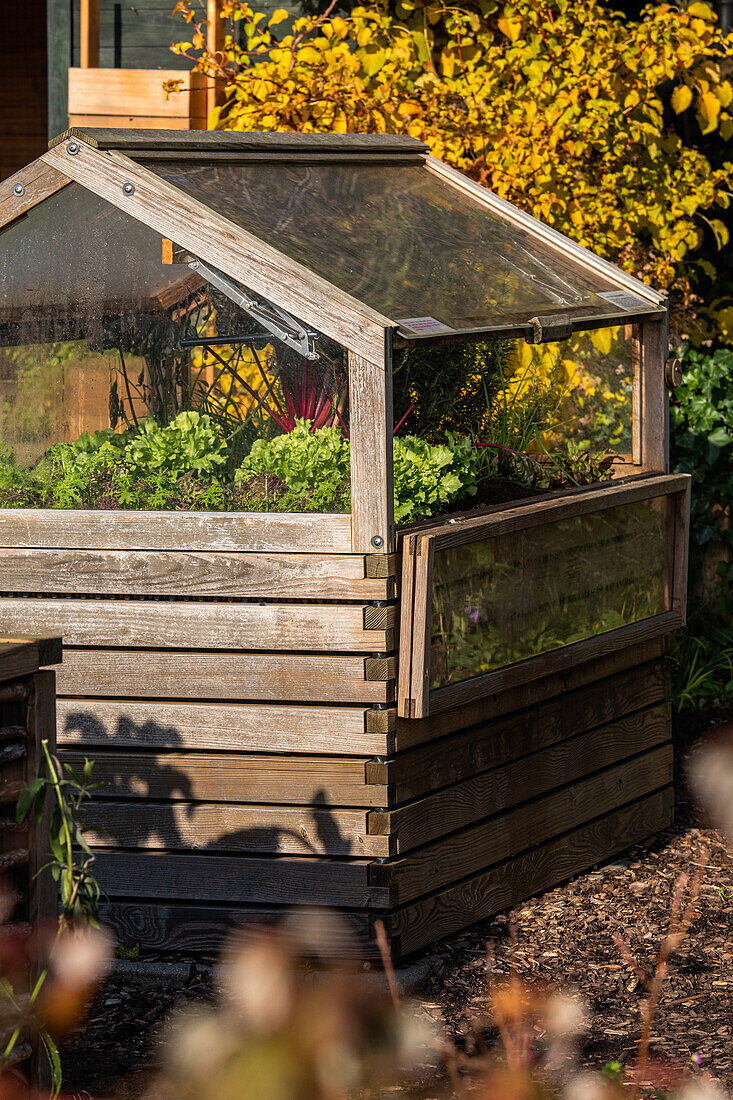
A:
<point x="556" y="106"/>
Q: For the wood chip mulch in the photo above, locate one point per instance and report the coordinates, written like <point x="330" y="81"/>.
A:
<point x="564" y="936"/>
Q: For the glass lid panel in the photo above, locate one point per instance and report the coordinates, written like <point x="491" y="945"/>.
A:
<point x="403" y="241"/>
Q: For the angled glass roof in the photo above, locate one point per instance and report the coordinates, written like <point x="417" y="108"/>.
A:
<point x="365" y="213"/>
<point x="405" y="242"/>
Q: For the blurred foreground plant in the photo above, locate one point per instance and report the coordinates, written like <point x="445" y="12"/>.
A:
<point x="68" y="960"/>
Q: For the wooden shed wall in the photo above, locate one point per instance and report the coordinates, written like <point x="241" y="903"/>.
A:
<point x="23" y="91"/>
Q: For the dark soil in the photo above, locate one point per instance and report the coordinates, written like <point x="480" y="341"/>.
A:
<point x="563" y="937"/>
<point x="495" y="490"/>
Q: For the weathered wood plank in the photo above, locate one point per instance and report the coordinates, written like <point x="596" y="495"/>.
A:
<point x="535" y="514"/>
<point x="227" y="827"/>
<point x="205" y="928"/>
<point x="218" y="241"/>
<point x="211" y="625"/>
<point x="189" y="573"/>
<point x="170" y="674"/>
<point x="316" y="781"/>
<point x="22" y="656"/>
<point x="635" y="661"/>
<point x="255" y="532"/>
<point x="282" y="880"/>
<point x="242" y="727"/>
<point x="41" y="722"/>
<point x="370" y="427"/>
<point x="407" y="604"/>
<point x="38" y="181"/>
<point x="653" y="338"/>
<point x="437" y="764"/>
<point x="466" y="852"/>
<point x="502" y="886"/>
<point x="245" y="142"/>
<point x="492" y="791"/>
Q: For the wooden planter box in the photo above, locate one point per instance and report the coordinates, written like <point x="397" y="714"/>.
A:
<point x="241" y="706"/>
<point x="280" y="712"/>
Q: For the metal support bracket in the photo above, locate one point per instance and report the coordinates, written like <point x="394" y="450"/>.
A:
<point x="278" y="323"/>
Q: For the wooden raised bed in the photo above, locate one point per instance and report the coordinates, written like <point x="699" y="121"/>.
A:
<point x="256" y="689"/>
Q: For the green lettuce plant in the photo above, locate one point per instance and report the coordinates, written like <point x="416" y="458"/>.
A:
<point x="428" y="476"/>
<point x="189" y="442"/>
<point x="306" y="460"/>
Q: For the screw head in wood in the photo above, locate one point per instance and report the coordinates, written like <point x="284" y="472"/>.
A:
<point x="19" y="189"/>
<point x="128" y="188"/>
<point x="377" y="542"/>
<point x="72" y="148"/>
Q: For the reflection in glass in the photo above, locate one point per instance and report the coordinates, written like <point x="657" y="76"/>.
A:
<point x="511" y="597"/>
<point x="399" y="239"/>
<point x="96" y="332"/>
<point x="594" y="370"/>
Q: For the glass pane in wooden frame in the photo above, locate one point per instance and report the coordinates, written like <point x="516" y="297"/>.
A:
<point x="399" y="238"/>
<point x="492" y="602"/>
<point x="103" y="326"/>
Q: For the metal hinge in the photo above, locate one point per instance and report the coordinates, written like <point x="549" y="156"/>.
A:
<point x="546" y="330"/>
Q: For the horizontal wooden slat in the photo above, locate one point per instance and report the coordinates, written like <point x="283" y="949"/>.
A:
<point x="243" y="727"/>
<point x="316" y="781"/>
<point x="500" y="887"/>
<point x="189" y="573"/>
<point x="464" y="853"/>
<point x="21" y="656"/>
<point x="249" y="626"/>
<point x="630" y="669"/>
<point x="225" y="827"/>
<point x="437" y="764"/>
<point x="134" y="91"/>
<point x="204" y="928"/>
<point x="38" y="180"/>
<point x="254" y="532"/>
<point x="275" y="881"/>
<point x="169" y="674"/>
<point x="528" y="777"/>
<point x="134" y="121"/>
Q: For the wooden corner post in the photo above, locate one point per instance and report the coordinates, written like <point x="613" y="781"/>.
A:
<point x="89" y="34"/>
<point x="651" y="350"/>
<point x="370" y="429"/>
<point x="215" y="39"/>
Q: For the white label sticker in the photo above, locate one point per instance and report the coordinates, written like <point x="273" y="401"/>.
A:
<point x="425" y="326"/>
<point x="624" y="300"/>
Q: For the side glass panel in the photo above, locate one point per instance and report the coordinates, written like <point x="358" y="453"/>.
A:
<point x="127" y="382"/>
<point x="504" y="599"/>
<point x="593" y="377"/>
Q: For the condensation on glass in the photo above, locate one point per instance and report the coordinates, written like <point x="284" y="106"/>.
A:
<point x="97" y="332"/>
<point x="419" y="250"/>
<point x="514" y="596"/>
